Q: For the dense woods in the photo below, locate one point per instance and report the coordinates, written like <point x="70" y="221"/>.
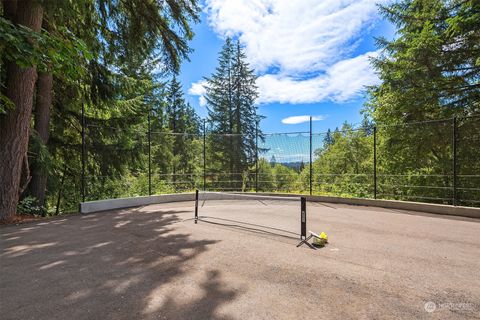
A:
<point x="91" y="86"/>
<point x="62" y="58"/>
<point x="430" y="71"/>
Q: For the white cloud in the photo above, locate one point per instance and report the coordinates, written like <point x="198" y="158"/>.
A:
<point x="308" y="43"/>
<point x="198" y="89"/>
<point x="342" y="81"/>
<point x="302" y="119"/>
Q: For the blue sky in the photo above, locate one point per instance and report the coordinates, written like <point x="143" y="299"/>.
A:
<point x="311" y="57"/>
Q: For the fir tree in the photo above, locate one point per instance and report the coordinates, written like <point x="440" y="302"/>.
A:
<point x="116" y="40"/>
<point x="231" y="95"/>
<point x="301" y="166"/>
<point x="328" y="140"/>
<point x="182" y="120"/>
<point x="429" y="71"/>
<point x="180" y="117"/>
<point x="273" y="160"/>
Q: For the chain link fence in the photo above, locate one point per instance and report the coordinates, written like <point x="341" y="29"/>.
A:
<point x="434" y="161"/>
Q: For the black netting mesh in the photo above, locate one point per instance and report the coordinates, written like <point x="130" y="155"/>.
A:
<point x="176" y="162"/>
<point x="414" y="162"/>
<point x="116" y="162"/>
<point x="230" y="162"/>
<point x="284" y="162"/>
<point x="343" y="164"/>
<point x="468" y="161"/>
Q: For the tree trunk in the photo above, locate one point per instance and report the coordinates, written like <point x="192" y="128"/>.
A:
<point x="9" y="9"/>
<point x="14" y="126"/>
<point x="43" y="104"/>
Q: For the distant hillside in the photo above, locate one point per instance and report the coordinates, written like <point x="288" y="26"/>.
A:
<point x="297" y="165"/>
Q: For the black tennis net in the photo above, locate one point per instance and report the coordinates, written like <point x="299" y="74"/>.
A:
<point x="267" y="212"/>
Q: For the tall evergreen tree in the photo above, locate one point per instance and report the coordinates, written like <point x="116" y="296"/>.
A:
<point x="180" y="116"/>
<point x="230" y="94"/>
<point x="18" y="86"/>
<point x="246" y="119"/>
<point x="430" y="71"/>
<point x="125" y="38"/>
<point x="185" y="124"/>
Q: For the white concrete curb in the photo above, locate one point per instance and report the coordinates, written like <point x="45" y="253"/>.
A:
<point x="111" y="204"/>
<point x="397" y="204"/>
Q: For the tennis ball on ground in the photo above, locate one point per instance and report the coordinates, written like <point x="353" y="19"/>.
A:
<point x="324" y="236"/>
<point x="320" y="242"/>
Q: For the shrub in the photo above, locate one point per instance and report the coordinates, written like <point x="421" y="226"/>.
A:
<point x="30" y="206"/>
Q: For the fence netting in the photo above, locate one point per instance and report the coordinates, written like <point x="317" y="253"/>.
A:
<point x="414" y="162"/>
<point x="176" y="162"/>
<point x="115" y="161"/>
<point x="434" y="161"/>
<point x="230" y="162"/>
<point x="468" y="162"/>
<point x="283" y="164"/>
<point x="343" y="163"/>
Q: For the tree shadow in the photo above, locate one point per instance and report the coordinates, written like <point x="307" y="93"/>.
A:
<point x="215" y="294"/>
<point x="109" y="265"/>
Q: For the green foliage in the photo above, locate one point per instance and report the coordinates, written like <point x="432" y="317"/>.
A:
<point x="284" y="178"/>
<point x="5" y="104"/>
<point x="230" y="94"/>
<point x="303" y="179"/>
<point x="345" y="167"/>
<point x="30" y="206"/>
<point x="429" y="71"/>
<point x="40" y="153"/>
<point x="136" y="31"/>
<point x="132" y="46"/>
<point x="62" y="53"/>
<point x="266" y="180"/>
<point x="328" y="140"/>
<point x="179" y="115"/>
<point x="181" y="118"/>
<point x="113" y="58"/>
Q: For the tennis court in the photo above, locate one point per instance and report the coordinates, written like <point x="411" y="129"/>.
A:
<point x="240" y="261"/>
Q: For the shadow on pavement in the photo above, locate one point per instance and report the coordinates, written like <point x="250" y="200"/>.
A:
<point x="110" y="265"/>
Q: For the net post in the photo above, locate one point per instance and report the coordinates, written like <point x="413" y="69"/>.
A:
<point x="256" y="155"/>
<point x="83" y="150"/>
<point x="204" y="154"/>
<point x="375" y="162"/>
<point x="149" y="156"/>
<point x="303" y="218"/>
<point x="196" y="205"/>
<point x="311" y="168"/>
<point x="454" y="156"/>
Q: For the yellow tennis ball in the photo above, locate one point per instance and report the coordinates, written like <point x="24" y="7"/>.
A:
<point x="323" y="236"/>
<point x="319" y="242"/>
